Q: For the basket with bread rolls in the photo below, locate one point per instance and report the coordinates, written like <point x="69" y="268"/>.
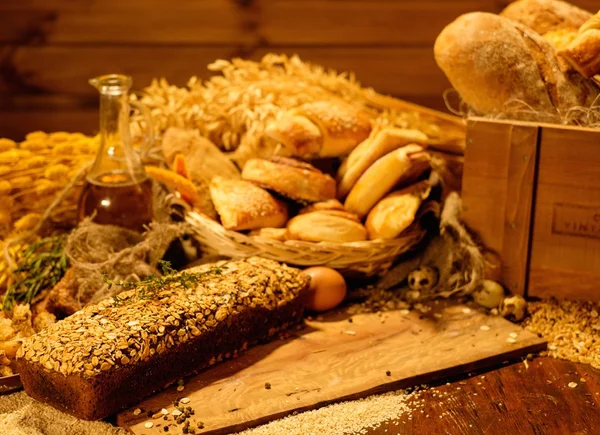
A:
<point x="291" y="162"/>
<point x="538" y="60"/>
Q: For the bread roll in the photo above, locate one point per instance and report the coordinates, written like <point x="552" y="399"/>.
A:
<point x="242" y="205"/>
<point x="583" y="53"/>
<point x="366" y="153"/>
<point x="291" y="178"/>
<point x="204" y="159"/>
<point x="270" y="233"/>
<point x="326" y="226"/>
<point x="330" y="204"/>
<point x="400" y="167"/>
<point x="396" y="212"/>
<point x="544" y="16"/>
<point x="492" y="62"/>
<point x="324" y="128"/>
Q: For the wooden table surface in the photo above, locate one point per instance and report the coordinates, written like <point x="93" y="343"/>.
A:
<point x="513" y="399"/>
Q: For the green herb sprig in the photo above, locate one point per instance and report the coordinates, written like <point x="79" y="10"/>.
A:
<point x="43" y="264"/>
<point x="149" y="287"/>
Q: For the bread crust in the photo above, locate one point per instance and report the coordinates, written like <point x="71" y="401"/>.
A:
<point x="326" y="226"/>
<point x="545" y="16"/>
<point x="368" y="151"/>
<point x="583" y="53"/>
<point x="397" y="168"/>
<point x="242" y="205"/>
<point x="396" y="212"/>
<point x="324" y="128"/>
<point x="492" y="61"/>
<point x="330" y="204"/>
<point x="291" y="178"/>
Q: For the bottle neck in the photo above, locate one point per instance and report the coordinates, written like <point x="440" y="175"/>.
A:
<point x="116" y="153"/>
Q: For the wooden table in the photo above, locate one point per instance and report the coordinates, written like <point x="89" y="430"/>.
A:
<point x="512" y="399"/>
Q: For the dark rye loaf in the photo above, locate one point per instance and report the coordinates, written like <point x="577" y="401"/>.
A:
<point x="110" y="355"/>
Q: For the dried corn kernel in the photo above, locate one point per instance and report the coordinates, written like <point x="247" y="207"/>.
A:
<point x="56" y="172"/>
<point x="7" y="144"/>
<point x="36" y="135"/>
<point x="5" y="187"/>
<point x="33" y="145"/>
<point x="59" y="136"/>
<point x="27" y="222"/>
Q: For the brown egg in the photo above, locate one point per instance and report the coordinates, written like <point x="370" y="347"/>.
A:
<point x="327" y="288"/>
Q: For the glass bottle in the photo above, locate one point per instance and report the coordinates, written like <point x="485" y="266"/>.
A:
<point x="117" y="190"/>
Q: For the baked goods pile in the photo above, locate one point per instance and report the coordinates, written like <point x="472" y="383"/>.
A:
<point x="533" y="61"/>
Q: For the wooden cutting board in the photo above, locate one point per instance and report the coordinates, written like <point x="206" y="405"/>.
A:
<point x="334" y="359"/>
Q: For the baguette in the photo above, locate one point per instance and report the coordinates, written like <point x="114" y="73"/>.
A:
<point x="400" y="167"/>
<point x="111" y="355"/>
<point x="492" y="62"/>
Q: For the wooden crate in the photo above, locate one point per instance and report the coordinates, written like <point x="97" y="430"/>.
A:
<point x="532" y="192"/>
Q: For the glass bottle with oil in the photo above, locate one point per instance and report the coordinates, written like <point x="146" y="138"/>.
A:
<point x="117" y="190"/>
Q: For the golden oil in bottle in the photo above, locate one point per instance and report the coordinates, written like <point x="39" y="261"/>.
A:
<point x="115" y="198"/>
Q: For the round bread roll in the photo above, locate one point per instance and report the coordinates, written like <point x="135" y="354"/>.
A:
<point x="499" y="66"/>
<point x="291" y="178"/>
<point x="400" y="167"/>
<point x="326" y="226"/>
<point x="330" y="204"/>
<point x="396" y="212"/>
<point x="270" y="233"/>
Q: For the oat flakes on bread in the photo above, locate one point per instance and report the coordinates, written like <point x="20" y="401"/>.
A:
<point x="291" y="178"/>
<point x="396" y="169"/>
<point x="583" y="53"/>
<point x="329" y="128"/>
<point x="242" y="205"/>
<point x="543" y="16"/>
<point x="326" y="226"/>
<point x="494" y="62"/>
<point x="367" y="153"/>
<point x="396" y="212"/>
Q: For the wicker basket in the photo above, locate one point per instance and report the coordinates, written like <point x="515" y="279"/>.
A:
<point x="368" y="258"/>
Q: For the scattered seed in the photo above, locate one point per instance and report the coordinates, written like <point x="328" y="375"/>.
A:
<point x="164" y="411"/>
<point x="511" y="340"/>
<point x="180" y="388"/>
<point x="484" y="327"/>
<point x="267" y="386"/>
<point x="437" y="315"/>
<point x="572" y="384"/>
<point x="466" y="310"/>
<point x="137" y="411"/>
<point x="513" y="335"/>
<point x="148" y="425"/>
<point x="176" y="413"/>
<point x="185" y="400"/>
<point x="350" y="332"/>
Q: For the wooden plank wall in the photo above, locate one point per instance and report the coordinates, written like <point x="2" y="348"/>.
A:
<point x="49" y="48"/>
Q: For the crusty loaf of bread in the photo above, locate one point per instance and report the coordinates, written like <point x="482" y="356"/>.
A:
<point x="291" y="178"/>
<point x="494" y="62"/>
<point x="545" y="16"/>
<point x="110" y="355"/>
<point x="244" y="206"/>
<point x="323" y="128"/>
<point x="326" y="226"/>
<point x="583" y="53"/>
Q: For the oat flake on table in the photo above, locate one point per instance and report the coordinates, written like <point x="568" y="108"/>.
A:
<point x="21" y="415"/>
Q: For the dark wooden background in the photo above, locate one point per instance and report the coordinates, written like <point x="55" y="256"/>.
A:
<point x="49" y="48"/>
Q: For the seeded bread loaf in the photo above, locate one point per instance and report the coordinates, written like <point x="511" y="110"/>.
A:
<point x="110" y="355"/>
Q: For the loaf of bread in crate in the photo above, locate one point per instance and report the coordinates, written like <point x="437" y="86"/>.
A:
<point x="545" y="16"/>
<point x="242" y="205"/>
<point x="291" y="178"/>
<point x="500" y="67"/>
<point x="583" y="53"/>
<point x="110" y="355"/>
<point x="329" y="128"/>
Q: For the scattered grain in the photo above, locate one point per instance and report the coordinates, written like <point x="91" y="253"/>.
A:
<point x="185" y="400"/>
<point x="148" y="424"/>
<point x="572" y="384"/>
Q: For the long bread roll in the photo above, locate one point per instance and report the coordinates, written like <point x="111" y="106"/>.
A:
<point x="367" y="152"/>
<point x="398" y="168"/>
<point x="493" y="62"/>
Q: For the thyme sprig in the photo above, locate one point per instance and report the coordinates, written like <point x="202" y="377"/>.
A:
<point x="152" y="285"/>
<point x="43" y="264"/>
